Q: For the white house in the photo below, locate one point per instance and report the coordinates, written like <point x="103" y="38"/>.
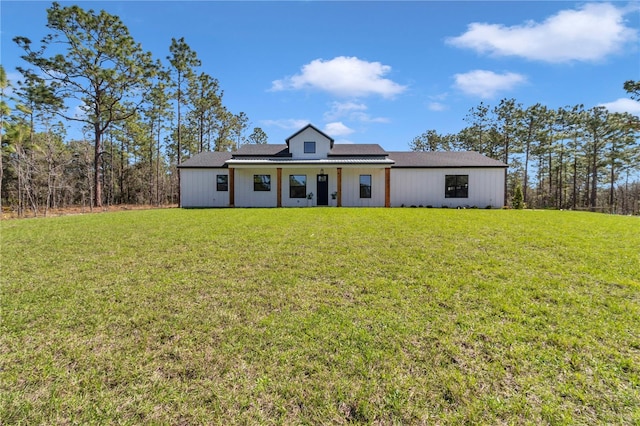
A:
<point x="311" y="170"/>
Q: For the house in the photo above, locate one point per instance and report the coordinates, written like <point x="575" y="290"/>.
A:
<point x="312" y="170"/>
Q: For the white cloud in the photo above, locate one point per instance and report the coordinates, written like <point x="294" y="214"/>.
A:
<point x="366" y="118"/>
<point x="287" y="123"/>
<point x="337" y="129"/>
<point x="589" y="33"/>
<point x="623" y="105"/>
<point x="487" y="84"/>
<point x="436" y="106"/>
<point x="80" y="111"/>
<point x="343" y="76"/>
<point x="343" y="109"/>
<point x="437" y="102"/>
<point x="353" y="111"/>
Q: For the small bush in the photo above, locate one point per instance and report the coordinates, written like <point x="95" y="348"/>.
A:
<point x="518" y="200"/>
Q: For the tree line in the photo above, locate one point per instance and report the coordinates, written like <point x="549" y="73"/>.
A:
<point x="565" y="158"/>
<point x="140" y="117"/>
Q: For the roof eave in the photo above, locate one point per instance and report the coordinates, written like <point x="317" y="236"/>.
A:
<point x="450" y="167"/>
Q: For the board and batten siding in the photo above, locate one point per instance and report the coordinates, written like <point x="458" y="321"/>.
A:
<point x="245" y="196"/>
<point x="427" y="187"/>
<point x="198" y="188"/>
<point x="296" y="144"/>
<point x="312" y="186"/>
<point x="351" y="187"/>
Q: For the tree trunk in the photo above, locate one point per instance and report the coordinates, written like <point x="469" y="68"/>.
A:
<point x="179" y="153"/>
<point x="97" y="182"/>
<point x="151" y="163"/>
<point x="575" y="179"/>
<point x="20" y="197"/>
<point x="551" y="193"/>
<point x="121" y="173"/>
<point x="526" y="174"/>
<point x="506" y="161"/>
<point x="560" y="180"/>
<point x="594" y="178"/>
<point x="611" y="187"/>
<point x="50" y="177"/>
<point x="158" y="169"/>
<point x="111" y="177"/>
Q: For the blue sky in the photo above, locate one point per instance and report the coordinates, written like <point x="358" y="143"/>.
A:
<point x="381" y="72"/>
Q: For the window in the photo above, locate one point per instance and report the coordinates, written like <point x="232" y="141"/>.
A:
<point x="456" y="186"/>
<point x="262" y="182"/>
<point x="222" y="182"/>
<point x="365" y="186"/>
<point x="309" y="147"/>
<point x="297" y="186"/>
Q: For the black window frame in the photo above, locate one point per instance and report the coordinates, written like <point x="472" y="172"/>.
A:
<point x="310" y="144"/>
<point x="456" y="186"/>
<point x="365" y="188"/>
<point x="222" y="186"/>
<point x="261" y="183"/>
<point x="297" y="191"/>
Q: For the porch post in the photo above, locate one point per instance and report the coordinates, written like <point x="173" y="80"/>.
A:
<point x="232" y="192"/>
<point x="279" y="188"/>
<point x="504" y="197"/>
<point x="339" y="186"/>
<point x="387" y="187"/>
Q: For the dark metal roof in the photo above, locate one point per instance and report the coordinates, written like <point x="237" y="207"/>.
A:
<point x="207" y="160"/>
<point x="357" y="149"/>
<point x="347" y="153"/>
<point x="258" y="150"/>
<point x="443" y="159"/>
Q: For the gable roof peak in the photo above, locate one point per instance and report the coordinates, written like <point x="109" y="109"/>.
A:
<point x="310" y="126"/>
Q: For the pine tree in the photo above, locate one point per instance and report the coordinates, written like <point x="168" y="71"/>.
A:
<point x="518" y="200"/>
<point x="101" y="66"/>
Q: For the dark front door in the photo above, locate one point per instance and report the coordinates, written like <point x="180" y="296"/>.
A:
<point x="323" y="190"/>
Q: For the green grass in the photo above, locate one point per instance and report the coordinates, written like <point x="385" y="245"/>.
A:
<point x="333" y="316"/>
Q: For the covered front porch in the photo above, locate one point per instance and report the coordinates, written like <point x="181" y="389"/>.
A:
<point x="305" y="185"/>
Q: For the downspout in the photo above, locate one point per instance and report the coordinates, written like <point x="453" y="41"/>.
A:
<point x="279" y="187"/>
<point x="339" y="186"/>
<point x="387" y="187"/>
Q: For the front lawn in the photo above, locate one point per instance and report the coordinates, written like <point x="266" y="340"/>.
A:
<point x="321" y="315"/>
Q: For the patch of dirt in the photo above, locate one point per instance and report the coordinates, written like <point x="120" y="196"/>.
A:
<point x="9" y="213"/>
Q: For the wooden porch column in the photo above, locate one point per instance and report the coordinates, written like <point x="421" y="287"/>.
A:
<point x="232" y="198"/>
<point x="387" y="187"/>
<point x="279" y="188"/>
<point x="339" y="186"/>
<point x="504" y="197"/>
